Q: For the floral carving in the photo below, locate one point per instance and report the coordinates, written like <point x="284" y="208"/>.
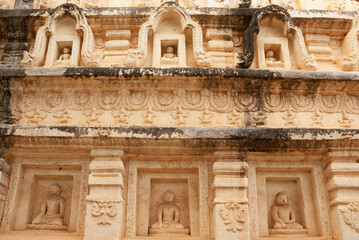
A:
<point x="351" y="215"/>
<point x="206" y="117"/>
<point x="233" y="215"/>
<point x="104" y="210"/>
<point x="234" y="118"/>
<point x="121" y="116"/>
<point x="246" y="101"/>
<point x="317" y="119"/>
<point x="179" y="116"/>
<point x="289" y="118"/>
<point x="345" y="122"/>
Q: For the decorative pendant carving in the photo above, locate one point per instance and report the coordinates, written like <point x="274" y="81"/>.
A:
<point x="233" y="215"/>
<point x="351" y="215"/>
<point x="104" y="210"/>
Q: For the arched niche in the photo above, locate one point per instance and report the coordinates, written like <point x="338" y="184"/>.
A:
<point x="64" y="37"/>
<point x="65" y="27"/>
<point x="283" y="27"/>
<point x="272" y="39"/>
<point x="168" y="26"/>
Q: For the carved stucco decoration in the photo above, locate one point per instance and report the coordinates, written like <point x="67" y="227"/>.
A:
<point x="350" y="59"/>
<point x="33" y="106"/>
<point x="136" y="57"/>
<point x="303" y="59"/>
<point x="104" y="210"/>
<point x="351" y="215"/>
<point x="233" y="216"/>
<point x="89" y="56"/>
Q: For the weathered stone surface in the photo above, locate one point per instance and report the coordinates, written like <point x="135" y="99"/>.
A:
<point x="142" y="119"/>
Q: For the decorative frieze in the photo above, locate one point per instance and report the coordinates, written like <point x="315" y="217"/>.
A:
<point x="62" y="106"/>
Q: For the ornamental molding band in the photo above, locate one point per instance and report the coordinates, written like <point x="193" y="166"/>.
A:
<point x="137" y="57"/>
<point x="351" y="215"/>
<point x="233" y="215"/>
<point x="64" y="106"/>
<point x="104" y="210"/>
<point x="303" y="59"/>
<point x="48" y="40"/>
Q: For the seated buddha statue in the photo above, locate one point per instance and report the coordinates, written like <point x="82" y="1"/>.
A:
<point x="283" y="214"/>
<point x="168" y="215"/>
<point x="271" y="61"/>
<point x="52" y="208"/>
<point x="64" y="59"/>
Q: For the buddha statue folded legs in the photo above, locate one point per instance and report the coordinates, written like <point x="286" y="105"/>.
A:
<point x="168" y="217"/>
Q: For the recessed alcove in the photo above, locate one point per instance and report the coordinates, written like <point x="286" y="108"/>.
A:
<point x="64" y="36"/>
<point x="149" y="181"/>
<point x="34" y="189"/>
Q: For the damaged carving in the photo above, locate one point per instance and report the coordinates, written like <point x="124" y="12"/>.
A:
<point x="351" y="215"/>
<point x="233" y="215"/>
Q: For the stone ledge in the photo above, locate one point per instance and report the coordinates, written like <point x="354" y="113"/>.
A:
<point x="123" y="11"/>
<point x="134" y="73"/>
<point x="310" y="134"/>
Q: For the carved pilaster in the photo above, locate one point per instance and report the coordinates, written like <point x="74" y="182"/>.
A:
<point x="17" y="33"/>
<point x="5" y="96"/>
<point x="4" y="183"/>
<point x="105" y="203"/>
<point x="343" y="188"/>
<point x="230" y="203"/>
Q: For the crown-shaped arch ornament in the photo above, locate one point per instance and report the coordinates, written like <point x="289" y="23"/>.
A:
<point x="89" y="56"/>
<point x="136" y="57"/>
<point x="303" y="59"/>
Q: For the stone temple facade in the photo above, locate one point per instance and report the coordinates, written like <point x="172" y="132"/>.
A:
<point x="185" y="120"/>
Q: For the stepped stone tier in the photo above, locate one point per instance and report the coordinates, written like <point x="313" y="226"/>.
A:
<point x="179" y="120"/>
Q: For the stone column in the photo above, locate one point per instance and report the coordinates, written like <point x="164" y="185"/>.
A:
<point x="105" y="203"/>
<point x="230" y="203"/>
<point x="4" y="183"/>
<point x="343" y="188"/>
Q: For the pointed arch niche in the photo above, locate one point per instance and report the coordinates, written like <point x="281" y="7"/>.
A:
<point x="170" y="38"/>
<point x="66" y="27"/>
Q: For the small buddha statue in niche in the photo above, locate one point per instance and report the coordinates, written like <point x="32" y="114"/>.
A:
<point x="168" y="215"/>
<point x="65" y="58"/>
<point x="170" y="53"/>
<point x="283" y="214"/>
<point x="271" y="61"/>
<point x="52" y="208"/>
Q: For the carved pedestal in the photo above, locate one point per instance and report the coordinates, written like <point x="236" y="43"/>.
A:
<point x="343" y="188"/>
<point x="105" y="204"/>
<point x="230" y="203"/>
